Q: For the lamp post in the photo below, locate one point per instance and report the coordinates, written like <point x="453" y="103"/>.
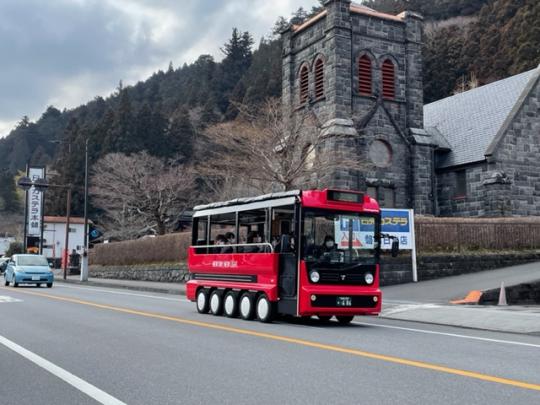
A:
<point x="84" y="263"/>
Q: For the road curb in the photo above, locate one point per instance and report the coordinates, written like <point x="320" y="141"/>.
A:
<point x="160" y="290"/>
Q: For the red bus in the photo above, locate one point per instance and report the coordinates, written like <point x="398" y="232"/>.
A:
<point x="299" y="253"/>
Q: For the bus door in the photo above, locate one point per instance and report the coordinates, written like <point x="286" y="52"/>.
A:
<point x="284" y="236"/>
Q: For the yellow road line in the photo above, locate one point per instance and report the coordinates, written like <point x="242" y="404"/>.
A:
<point x="302" y="342"/>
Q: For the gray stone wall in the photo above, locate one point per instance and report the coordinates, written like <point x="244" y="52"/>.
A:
<point x="517" y="156"/>
<point x="169" y="273"/>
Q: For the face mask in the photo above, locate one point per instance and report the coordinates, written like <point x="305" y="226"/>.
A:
<point x="329" y="244"/>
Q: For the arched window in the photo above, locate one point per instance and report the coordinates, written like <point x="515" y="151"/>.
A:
<point x="319" y="79"/>
<point x="304" y="84"/>
<point x="388" y="80"/>
<point x="364" y="76"/>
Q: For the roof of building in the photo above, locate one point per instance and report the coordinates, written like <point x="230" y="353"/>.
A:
<point x="62" y="220"/>
<point x="472" y="121"/>
<point x="355" y="8"/>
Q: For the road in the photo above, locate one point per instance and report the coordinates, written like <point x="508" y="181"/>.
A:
<point x="84" y="345"/>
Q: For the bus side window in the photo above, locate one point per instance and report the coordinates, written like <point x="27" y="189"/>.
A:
<point x="253" y="230"/>
<point x="219" y="225"/>
<point x="199" y="234"/>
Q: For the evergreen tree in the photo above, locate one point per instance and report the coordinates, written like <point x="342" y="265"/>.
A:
<point x="9" y="202"/>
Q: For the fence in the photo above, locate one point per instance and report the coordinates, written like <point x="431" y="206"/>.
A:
<point x="463" y="234"/>
<point x="432" y="235"/>
<point x="160" y="249"/>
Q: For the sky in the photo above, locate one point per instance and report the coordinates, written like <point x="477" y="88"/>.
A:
<point x="66" y="52"/>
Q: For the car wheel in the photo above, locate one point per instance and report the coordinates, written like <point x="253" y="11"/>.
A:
<point x="344" y="320"/>
<point x="202" y="301"/>
<point x="230" y="304"/>
<point x="15" y="284"/>
<point x="264" y="309"/>
<point x="246" y="307"/>
<point x="49" y="285"/>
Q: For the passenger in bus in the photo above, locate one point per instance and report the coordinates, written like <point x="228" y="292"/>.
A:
<point x="230" y="240"/>
<point x="220" y="241"/>
<point x="252" y="237"/>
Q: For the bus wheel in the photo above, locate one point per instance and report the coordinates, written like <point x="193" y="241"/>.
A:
<point x="344" y="320"/>
<point x="202" y="301"/>
<point x="216" y="302"/>
<point x="324" y="318"/>
<point x="264" y="309"/>
<point x="230" y="305"/>
<point x="246" y="306"/>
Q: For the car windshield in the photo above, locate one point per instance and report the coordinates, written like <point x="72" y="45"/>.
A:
<point x="338" y="237"/>
<point x="32" y="261"/>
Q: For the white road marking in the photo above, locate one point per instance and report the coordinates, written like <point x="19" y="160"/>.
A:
<point x="124" y="293"/>
<point x="83" y="386"/>
<point x="406" y="307"/>
<point x="5" y="298"/>
<point x="432" y="332"/>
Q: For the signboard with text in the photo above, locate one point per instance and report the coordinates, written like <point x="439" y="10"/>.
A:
<point x="398" y="223"/>
<point x="35" y="203"/>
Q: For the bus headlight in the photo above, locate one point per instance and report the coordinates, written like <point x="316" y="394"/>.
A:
<point x="314" y="276"/>
<point x="369" y="278"/>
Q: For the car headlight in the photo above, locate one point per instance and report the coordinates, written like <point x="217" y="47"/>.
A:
<point x="314" y="276"/>
<point x="369" y="278"/>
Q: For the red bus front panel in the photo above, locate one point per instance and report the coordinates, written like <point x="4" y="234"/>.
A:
<point x="317" y="299"/>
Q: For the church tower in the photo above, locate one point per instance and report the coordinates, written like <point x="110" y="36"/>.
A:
<point x="360" y="72"/>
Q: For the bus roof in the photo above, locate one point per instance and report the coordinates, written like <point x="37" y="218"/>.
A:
<point x="247" y="200"/>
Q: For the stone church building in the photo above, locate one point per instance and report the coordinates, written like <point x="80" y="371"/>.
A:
<point x="359" y="72"/>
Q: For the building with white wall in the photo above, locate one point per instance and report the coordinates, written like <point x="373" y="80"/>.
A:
<point x="54" y="235"/>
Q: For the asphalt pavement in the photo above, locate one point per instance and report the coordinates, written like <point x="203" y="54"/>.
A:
<point x="75" y="344"/>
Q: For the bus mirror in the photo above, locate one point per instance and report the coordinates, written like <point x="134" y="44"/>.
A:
<point x="395" y="247"/>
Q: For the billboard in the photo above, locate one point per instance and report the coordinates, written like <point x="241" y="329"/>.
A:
<point x="34" y="200"/>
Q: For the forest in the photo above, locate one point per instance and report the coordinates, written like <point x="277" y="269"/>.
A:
<point x="465" y="41"/>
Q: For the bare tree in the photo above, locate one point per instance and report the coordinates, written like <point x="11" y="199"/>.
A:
<point x="140" y="194"/>
<point x="269" y="150"/>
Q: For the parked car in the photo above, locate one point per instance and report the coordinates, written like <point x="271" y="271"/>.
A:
<point x="28" y="269"/>
<point x="3" y="264"/>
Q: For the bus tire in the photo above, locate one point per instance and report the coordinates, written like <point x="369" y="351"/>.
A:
<point x="202" y="301"/>
<point x="216" y="302"/>
<point x="324" y="318"/>
<point x="264" y="309"/>
<point x="344" y="319"/>
<point x="246" y="306"/>
<point x="230" y="304"/>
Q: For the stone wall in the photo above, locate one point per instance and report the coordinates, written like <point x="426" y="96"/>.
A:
<point x="169" y="273"/>
<point x="394" y="270"/>
<point x="399" y="270"/>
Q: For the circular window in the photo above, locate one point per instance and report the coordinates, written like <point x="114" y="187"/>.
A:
<point x="380" y="153"/>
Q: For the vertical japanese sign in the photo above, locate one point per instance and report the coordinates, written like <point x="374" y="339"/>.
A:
<point x="35" y="203"/>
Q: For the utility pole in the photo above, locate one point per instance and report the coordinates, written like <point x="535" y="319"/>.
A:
<point x="84" y="263"/>
<point x="66" y="246"/>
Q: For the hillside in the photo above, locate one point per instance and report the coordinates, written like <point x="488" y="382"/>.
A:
<point x="164" y="113"/>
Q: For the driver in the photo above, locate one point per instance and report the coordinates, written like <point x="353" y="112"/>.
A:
<point x="329" y="245"/>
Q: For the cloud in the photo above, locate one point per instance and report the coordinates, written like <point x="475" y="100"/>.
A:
<point x="65" y="52"/>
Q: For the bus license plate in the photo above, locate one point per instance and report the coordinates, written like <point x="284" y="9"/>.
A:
<point x="344" y="301"/>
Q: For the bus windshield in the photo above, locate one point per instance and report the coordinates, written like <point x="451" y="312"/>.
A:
<point x="338" y="237"/>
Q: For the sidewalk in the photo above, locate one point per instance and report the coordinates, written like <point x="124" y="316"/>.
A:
<point x="135" y="285"/>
